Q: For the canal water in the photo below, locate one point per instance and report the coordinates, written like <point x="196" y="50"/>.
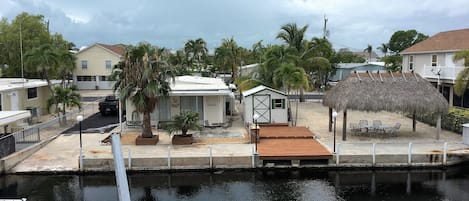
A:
<point x="302" y="184"/>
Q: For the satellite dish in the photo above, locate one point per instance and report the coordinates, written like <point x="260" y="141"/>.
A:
<point x="436" y="71"/>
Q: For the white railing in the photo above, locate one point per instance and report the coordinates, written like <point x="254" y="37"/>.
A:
<point x="441" y="72"/>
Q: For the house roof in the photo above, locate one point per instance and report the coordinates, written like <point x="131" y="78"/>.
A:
<point x="8" y="117"/>
<point x="444" y="41"/>
<point x="118" y="49"/>
<point x="194" y="85"/>
<point x="394" y="92"/>
<point x="258" y="89"/>
<point x="8" y="84"/>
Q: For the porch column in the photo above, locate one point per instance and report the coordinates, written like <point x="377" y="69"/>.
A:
<point x="330" y="119"/>
<point x="451" y="94"/>
<point x="414" y="122"/>
<point x="438" y="127"/>
<point x="344" y="128"/>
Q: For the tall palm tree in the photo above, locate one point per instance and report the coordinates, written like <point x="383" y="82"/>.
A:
<point x="42" y="60"/>
<point x="145" y="80"/>
<point x="461" y="82"/>
<point x="293" y="36"/>
<point x="257" y="51"/>
<point x="228" y="55"/>
<point x="384" y="48"/>
<point x="66" y="65"/>
<point x="66" y="97"/>
<point x="196" y="50"/>
<point x="369" y="50"/>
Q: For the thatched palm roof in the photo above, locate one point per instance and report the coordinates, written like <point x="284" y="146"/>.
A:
<point x="394" y="92"/>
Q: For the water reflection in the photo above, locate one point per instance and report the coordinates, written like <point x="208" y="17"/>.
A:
<point x="248" y="185"/>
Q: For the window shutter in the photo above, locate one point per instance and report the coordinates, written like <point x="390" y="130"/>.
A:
<point x="283" y="103"/>
<point x="273" y="104"/>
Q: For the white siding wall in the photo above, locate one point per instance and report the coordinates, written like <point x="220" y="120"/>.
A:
<point x="213" y="109"/>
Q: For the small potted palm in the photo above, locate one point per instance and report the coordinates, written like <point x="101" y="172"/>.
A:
<point x="184" y="122"/>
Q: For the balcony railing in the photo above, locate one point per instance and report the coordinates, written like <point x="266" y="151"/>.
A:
<point x="441" y="72"/>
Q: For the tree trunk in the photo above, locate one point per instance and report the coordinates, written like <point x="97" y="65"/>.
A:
<point x="64" y="117"/>
<point x="146" y="129"/>
<point x="330" y="119"/>
<point x="302" y="95"/>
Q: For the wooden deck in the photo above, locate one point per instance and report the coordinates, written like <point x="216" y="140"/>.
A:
<point x="290" y="143"/>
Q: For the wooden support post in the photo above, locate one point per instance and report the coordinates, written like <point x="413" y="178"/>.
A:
<point x="414" y="122"/>
<point x="330" y="119"/>
<point x="344" y="128"/>
<point x="438" y="127"/>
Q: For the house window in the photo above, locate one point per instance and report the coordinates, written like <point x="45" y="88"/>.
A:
<point x="108" y="64"/>
<point x="104" y="78"/>
<point x="434" y="60"/>
<point x="411" y="62"/>
<point x="32" y="93"/>
<point x="278" y="103"/>
<point x="84" y="64"/>
<point x="86" y="78"/>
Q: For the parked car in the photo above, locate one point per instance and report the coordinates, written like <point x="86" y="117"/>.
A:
<point x="110" y="105"/>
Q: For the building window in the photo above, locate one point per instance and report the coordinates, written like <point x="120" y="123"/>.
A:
<point x="411" y="62"/>
<point x="104" y="78"/>
<point x="84" y="64"/>
<point x="86" y="78"/>
<point x="434" y="60"/>
<point x="278" y="103"/>
<point x="32" y="93"/>
<point x="1" y="102"/>
<point x="108" y="64"/>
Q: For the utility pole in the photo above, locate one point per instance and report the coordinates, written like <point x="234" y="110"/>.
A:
<point x="21" y="50"/>
<point x="325" y="28"/>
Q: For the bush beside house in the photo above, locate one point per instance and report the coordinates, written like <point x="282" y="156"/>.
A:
<point x="452" y="121"/>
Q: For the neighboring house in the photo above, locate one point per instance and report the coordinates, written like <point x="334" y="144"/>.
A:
<point x="433" y="60"/>
<point x="19" y="95"/>
<point x="210" y="97"/>
<point x="366" y="56"/>
<point x="94" y="66"/>
<point x="269" y="104"/>
<point x="344" y="69"/>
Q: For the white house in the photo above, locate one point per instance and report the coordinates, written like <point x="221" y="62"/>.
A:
<point x="433" y="60"/>
<point x="210" y="97"/>
<point x="269" y="104"/>
<point x="94" y="66"/>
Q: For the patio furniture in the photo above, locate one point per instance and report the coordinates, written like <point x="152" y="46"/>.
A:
<point x="377" y="126"/>
<point x="363" y="124"/>
<point x="393" y="130"/>
<point x="354" y="128"/>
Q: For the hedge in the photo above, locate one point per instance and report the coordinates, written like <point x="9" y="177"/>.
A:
<point x="452" y="121"/>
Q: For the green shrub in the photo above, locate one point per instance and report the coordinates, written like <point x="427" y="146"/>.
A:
<point x="452" y="121"/>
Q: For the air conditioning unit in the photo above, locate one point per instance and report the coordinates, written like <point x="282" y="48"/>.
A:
<point x="35" y="111"/>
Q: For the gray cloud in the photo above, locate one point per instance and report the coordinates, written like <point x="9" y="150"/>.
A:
<point x="352" y="24"/>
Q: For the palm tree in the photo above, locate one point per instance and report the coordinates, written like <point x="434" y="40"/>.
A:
<point x="384" y="48"/>
<point x="184" y="122"/>
<point x="66" y="97"/>
<point x="66" y="65"/>
<point x="293" y="36"/>
<point x="461" y="82"/>
<point x="228" y="56"/>
<point x="196" y="50"/>
<point x="369" y="50"/>
<point x="42" y="60"/>
<point x="257" y="51"/>
<point x="146" y="79"/>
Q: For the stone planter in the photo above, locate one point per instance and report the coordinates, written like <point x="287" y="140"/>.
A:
<point x="146" y="141"/>
<point x="182" y="139"/>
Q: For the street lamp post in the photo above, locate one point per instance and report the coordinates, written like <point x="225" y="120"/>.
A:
<point x="334" y="115"/>
<point x="255" y="117"/>
<point x="80" y="119"/>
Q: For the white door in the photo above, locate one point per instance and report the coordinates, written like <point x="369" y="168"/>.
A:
<point x="261" y="106"/>
<point x="14" y="100"/>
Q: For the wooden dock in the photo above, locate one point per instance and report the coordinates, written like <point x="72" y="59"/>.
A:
<point x="289" y="143"/>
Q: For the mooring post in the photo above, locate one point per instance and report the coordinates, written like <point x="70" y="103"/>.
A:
<point x="129" y="162"/>
<point x="409" y="154"/>
<point x="211" y="156"/>
<point x="445" y="151"/>
<point x="169" y="157"/>
<point x="337" y="157"/>
<point x="373" y="151"/>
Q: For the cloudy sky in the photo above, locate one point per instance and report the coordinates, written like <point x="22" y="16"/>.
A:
<point x="351" y="23"/>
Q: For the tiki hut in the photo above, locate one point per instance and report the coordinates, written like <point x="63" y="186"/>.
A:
<point x="388" y="91"/>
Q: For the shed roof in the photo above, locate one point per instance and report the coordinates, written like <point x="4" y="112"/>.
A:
<point x="404" y="92"/>
<point x="454" y="40"/>
<point x="258" y="89"/>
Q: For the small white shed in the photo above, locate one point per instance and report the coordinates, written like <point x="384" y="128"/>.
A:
<point x="270" y="104"/>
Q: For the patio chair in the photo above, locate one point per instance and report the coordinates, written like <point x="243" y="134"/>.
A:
<point x="393" y="130"/>
<point x="377" y="126"/>
<point x="208" y="125"/>
<point x="354" y="128"/>
<point x="363" y="124"/>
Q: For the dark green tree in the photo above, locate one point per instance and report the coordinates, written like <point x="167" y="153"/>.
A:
<point x="402" y="40"/>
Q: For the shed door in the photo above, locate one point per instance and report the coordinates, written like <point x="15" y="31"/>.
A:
<point x="261" y="106"/>
<point x="14" y="101"/>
